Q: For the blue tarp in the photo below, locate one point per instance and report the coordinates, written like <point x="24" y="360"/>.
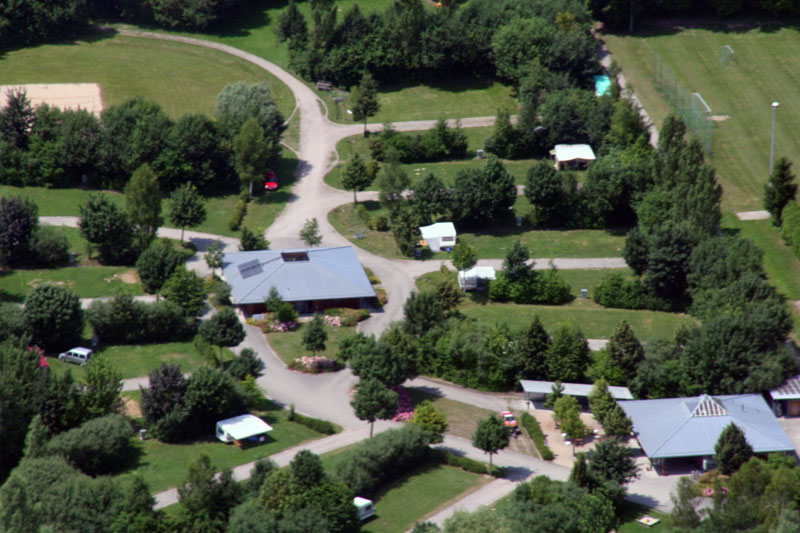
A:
<point x="602" y="84"/>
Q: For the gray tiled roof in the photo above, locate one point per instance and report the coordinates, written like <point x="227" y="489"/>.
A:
<point x="690" y="427"/>
<point x="329" y="274"/>
<point x="789" y="390"/>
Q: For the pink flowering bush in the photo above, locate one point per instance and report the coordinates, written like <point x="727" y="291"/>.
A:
<point x="405" y="411"/>
<point x="315" y="364"/>
<point x="333" y="321"/>
<point x="273" y="326"/>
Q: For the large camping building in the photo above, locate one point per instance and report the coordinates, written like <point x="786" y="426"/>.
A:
<point x="673" y="428"/>
<point x="313" y="279"/>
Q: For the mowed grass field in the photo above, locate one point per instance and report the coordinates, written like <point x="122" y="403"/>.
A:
<point x="767" y="69"/>
<point x="182" y="78"/>
<point x="252" y="28"/>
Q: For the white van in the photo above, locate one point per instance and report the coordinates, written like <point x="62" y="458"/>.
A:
<point x="364" y="507"/>
<point x="80" y="356"/>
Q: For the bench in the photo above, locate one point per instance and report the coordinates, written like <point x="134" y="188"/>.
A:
<point x="324" y="86"/>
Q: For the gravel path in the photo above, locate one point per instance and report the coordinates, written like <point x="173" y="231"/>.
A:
<point x="753" y="215"/>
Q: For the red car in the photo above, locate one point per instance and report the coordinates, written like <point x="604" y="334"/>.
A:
<point x="270" y="181"/>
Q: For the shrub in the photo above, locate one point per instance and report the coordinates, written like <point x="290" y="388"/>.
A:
<point x="50" y="247"/>
<point x="379" y="460"/>
<point x="286" y="313"/>
<point x="97" y="447"/>
<point x="436" y="144"/>
<point x="790" y="230"/>
<point x="615" y="291"/>
<point x="381" y="223"/>
<point x="380" y="297"/>
<point x="245" y="364"/>
<point x="238" y="215"/>
<point x="373" y="279"/>
<point x="534" y="430"/>
<point x="465" y="463"/>
<point x="53" y="316"/>
<point x="532" y="288"/>
<point x="363" y="215"/>
<point x="320" y="426"/>
<point x="126" y="321"/>
<point x="316" y="364"/>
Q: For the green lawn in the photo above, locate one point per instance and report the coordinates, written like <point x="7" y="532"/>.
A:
<point x="289" y="345"/>
<point x="164" y="465"/>
<point x="182" y="78"/>
<point x="765" y="71"/>
<point x="252" y="28"/>
<point x="458" y="97"/>
<point x="417" y="496"/>
<point x="85" y="281"/>
<point x="261" y="211"/>
<point x="632" y="511"/>
<point x="595" y="321"/>
<point x="462" y="418"/>
<point x="134" y="361"/>
<point x="494" y="244"/>
<point x="445" y="170"/>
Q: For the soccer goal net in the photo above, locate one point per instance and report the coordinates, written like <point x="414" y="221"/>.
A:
<point x="726" y="55"/>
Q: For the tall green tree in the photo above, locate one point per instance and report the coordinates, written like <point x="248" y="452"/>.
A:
<point x="54" y="316"/>
<point x="531" y="346"/>
<point x="186" y="289"/>
<point x="252" y="240"/>
<point x="19" y="221"/>
<point x="732" y="449"/>
<point x="364" y="100"/>
<point x="780" y="190"/>
<point x="103" y="385"/>
<point x="107" y="229"/>
<point x="186" y="207"/>
<point x="464" y="256"/>
<point x="215" y="256"/>
<point x="223" y="330"/>
<point x="251" y="152"/>
<point x="515" y="263"/>
<point x="431" y="420"/>
<point x="392" y="182"/>
<point x="310" y="233"/>
<point x="611" y="461"/>
<point x="156" y="264"/>
<point x="568" y="355"/>
<point x="240" y="101"/>
<point x="17" y="118"/>
<point x="314" y="334"/>
<point x="207" y="498"/>
<point x="356" y="176"/>
<point x="490" y="436"/>
<point x="373" y="401"/>
<point x="422" y="312"/>
<point x="624" y="349"/>
<point x="544" y="189"/>
<point x="601" y="402"/>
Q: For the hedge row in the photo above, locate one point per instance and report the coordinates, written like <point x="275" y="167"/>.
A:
<point x="320" y="426"/>
<point x="791" y="226"/>
<point x="534" y="430"/>
<point x="447" y="457"/>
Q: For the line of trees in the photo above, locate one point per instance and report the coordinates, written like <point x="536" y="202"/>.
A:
<point x="53" y="148"/>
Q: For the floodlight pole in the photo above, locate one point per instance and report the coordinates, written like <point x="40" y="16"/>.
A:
<point x="772" y="141"/>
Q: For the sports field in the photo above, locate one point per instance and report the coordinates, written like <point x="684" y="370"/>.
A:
<point x="181" y="78"/>
<point x="766" y="69"/>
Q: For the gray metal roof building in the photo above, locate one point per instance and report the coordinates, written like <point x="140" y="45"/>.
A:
<point x="299" y="275"/>
<point x="690" y="427"/>
<point x="532" y="388"/>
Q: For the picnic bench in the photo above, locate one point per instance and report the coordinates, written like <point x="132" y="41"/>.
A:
<point x="324" y="86"/>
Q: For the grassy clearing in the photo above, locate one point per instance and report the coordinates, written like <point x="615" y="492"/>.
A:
<point x="445" y="170"/>
<point x="261" y="211"/>
<point x="134" y="361"/>
<point x="443" y="98"/>
<point x="595" y="321"/>
<point x="85" y="281"/>
<point x="252" y="28"/>
<point x="462" y="418"/>
<point x="493" y="243"/>
<point x="289" y="345"/>
<point x="765" y="71"/>
<point x="411" y="499"/>
<point x="164" y="465"/>
<point x="182" y="78"/>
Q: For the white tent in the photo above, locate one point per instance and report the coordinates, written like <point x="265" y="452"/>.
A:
<point x="439" y="235"/>
<point x="241" y="427"/>
<point x="579" y="155"/>
<point x="475" y="278"/>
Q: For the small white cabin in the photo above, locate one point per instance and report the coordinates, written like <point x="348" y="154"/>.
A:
<point x="439" y="235"/>
<point x="241" y="427"/>
<point x="573" y="155"/>
<point x="476" y="278"/>
<point x="364" y="507"/>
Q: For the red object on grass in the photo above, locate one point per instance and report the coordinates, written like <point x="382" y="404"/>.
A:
<point x="270" y="181"/>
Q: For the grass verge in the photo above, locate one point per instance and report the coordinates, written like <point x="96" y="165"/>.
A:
<point x="420" y="495"/>
<point x="462" y="418"/>
<point x="182" y="78"/>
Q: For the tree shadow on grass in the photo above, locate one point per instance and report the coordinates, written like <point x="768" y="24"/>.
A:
<point x="92" y="35"/>
<point x="454" y="84"/>
<point x="246" y="17"/>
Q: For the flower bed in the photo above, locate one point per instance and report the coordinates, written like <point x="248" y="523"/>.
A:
<point x="405" y="411"/>
<point x="315" y="364"/>
<point x="273" y="326"/>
